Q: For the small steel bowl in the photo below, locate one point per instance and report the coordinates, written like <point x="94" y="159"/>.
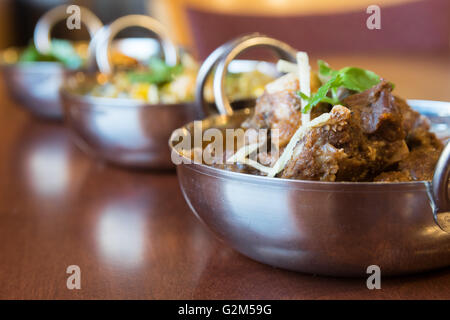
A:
<point x="35" y="85"/>
<point x="122" y="131"/>
<point x="326" y="228"/>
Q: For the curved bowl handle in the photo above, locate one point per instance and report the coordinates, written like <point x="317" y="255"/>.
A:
<point x="105" y="36"/>
<point x="439" y="191"/>
<point x="283" y="50"/>
<point x="42" y="39"/>
<point x="207" y="67"/>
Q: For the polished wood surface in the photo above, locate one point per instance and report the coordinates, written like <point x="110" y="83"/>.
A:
<point x="132" y="233"/>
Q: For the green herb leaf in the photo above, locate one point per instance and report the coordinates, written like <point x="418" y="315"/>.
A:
<point x="357" y="79"/>
<point x="351" y="78"/>
<point x="60" y="51"/>
<point x="303" y="96"/>
<point x="159" y="72"/>
<point x="64" y="52"/>
<point x="321" y="94"/>
<point x="29" y="54"/>
<point x="324" y="69"/>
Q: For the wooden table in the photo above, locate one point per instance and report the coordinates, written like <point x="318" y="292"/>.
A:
<point x="132" y="233"/>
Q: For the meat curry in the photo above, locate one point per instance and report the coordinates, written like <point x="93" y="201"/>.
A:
<point x="352" y="134"/>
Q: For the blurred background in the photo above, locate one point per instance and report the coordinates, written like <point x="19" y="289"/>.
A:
<point x="324" y="26"/>
<point x="413" y="43"/>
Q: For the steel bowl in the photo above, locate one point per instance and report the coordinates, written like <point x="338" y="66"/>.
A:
<point x="35" y="85"/>
<point x="123" y="131"/>
<point x="326" y="228"/>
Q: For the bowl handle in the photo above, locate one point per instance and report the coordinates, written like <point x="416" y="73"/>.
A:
<point x="43" y="28"/>
<point x="207" y="67"/>
<point x="438" y="191"/>
<point x="283" y="50"/>
<point x="103" y="40"/>
<point x="222" y="56"/>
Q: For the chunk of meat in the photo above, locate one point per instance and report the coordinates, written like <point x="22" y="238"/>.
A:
<point x="279" y="108"/>
<point x="315" y="157"/>
<point x="377" y="112"/>
<point x="410" y="118"/>
<point x="418" y="166"/>
<point x="420" y="163"/>
<point x="277" y="111"/>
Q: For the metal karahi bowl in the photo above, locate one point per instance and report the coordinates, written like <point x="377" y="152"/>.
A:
<point x="326" y="228"/>
<point x="123" y="131"/>
<point x="35" y="85"/>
